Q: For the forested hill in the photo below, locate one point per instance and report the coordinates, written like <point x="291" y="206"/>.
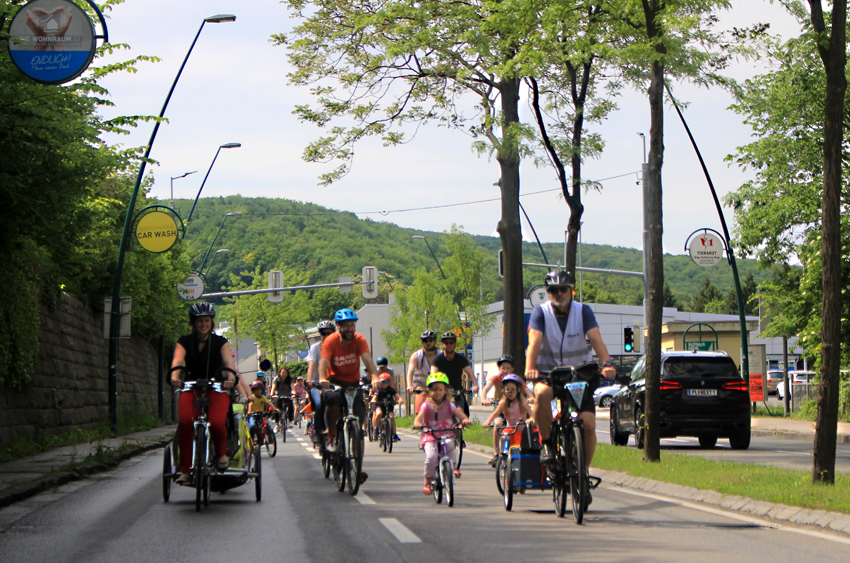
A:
<point x="326" y="244"/>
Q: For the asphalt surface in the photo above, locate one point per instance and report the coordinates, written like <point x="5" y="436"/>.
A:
<point x="120" y="516"/>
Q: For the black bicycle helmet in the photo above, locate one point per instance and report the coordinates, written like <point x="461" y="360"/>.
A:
<point x="202" y="309"/>
<point x="448" y="336"/>
<point x="326" y="325"/>
<point x="506" y="359"/>
<point x="427" y="334"/>
<point x="561" y="277"/>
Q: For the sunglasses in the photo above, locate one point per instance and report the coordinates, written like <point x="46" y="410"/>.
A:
<point x="559" y="289"/>
<point x="449" y="341"/>
<point x="429" y="340"/>
<point x="326" y="333"/>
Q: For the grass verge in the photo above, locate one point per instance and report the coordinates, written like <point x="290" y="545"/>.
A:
<point x="758" y="482"/>
<point x="128" y="422"/>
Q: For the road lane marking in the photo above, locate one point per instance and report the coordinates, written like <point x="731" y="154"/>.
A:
<point x="363" y="499"/>
<point x="401" y="533"/>
<point x="792" y="453"/>
<point x="317" y="456"/>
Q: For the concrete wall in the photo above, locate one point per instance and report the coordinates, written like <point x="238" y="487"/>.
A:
<point x="69" y="388"/>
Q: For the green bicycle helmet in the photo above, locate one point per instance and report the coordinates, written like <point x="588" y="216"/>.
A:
<point x="438" y="377"/>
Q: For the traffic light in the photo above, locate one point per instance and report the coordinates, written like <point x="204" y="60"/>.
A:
<point x="628" y="339"/>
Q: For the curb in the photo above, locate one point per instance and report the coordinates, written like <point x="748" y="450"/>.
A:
<point x="58" y="479"/>
<point x="789" y="435"/>
<point x="790" y="515"/>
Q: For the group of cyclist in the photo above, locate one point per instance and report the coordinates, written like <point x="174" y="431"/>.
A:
<point x="561" y="332"/>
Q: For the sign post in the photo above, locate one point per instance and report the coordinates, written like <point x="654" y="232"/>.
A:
<point x="758" y="374"/>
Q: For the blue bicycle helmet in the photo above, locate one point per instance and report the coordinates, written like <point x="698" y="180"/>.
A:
<point x="382" y="361"/>
<point x="345" y="315"/>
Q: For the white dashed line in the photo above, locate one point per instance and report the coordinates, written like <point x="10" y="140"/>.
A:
<point x="401" y="533"/>
<point x="317" y="456"/>
<point x="363" y="499"/>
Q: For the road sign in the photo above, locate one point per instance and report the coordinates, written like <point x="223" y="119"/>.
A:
<point x="537" y="295"/>
<point x="156" y="231"/>
<point x="700" y="346"/>
<point x="758" y="372"/>
<point x="345" y="284"/>
<point x="123" y="319"/>
<point x="276" y="281"/>
<point x="192" y="288"/>
<point x="706" y="250"/>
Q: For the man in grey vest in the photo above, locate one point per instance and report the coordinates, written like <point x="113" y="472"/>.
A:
<point x="562" y="332"/>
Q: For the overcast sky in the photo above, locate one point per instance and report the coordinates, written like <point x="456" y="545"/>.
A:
<point x="234" y="89"/>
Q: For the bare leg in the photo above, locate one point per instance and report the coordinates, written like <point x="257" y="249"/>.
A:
<point x="543" y="409"/>
<point x="589" y="421"/>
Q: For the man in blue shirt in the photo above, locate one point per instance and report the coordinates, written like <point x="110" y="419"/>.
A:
<point x="562" y="332"/>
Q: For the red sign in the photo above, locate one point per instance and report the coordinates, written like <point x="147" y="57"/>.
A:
<point x="756" y="387"/>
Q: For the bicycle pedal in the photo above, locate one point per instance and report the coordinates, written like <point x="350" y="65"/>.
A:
<point x="594" y="481"/>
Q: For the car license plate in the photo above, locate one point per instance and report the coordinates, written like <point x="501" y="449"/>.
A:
<point x="702" y="392"/>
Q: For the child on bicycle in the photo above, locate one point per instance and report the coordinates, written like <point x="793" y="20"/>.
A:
<point x="513" y="408"/>
<point x="436" y="413"/>
<point x="257" y="405"/>
<point x="386" y="395"/>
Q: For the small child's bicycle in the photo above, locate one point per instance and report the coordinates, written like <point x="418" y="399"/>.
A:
<point x="444" y="476"/>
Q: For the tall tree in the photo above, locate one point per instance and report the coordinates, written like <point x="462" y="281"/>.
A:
<point x="385" y="64"/>
<point x="832" y="48"/>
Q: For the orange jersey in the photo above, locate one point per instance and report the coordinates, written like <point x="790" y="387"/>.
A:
<point x="344" y="363"/>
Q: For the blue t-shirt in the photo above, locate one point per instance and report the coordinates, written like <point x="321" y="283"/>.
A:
<point x="538" y="319"/>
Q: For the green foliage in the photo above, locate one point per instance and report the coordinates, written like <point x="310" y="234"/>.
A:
<point x="297" y="369"/>
<point x="19" y="315"/>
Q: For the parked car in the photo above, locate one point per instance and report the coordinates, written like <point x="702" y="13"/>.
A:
<point x="795" y="377"/>
<point x="702" y="395"/>
<point x="774" y="378"/>
<point x="604" y="395"/>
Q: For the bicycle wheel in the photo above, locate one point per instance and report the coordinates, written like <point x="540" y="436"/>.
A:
<point x="447" y="477"/>
<point x="390" y="435"/>
<point x="355" y="457"/>
<point x="166" y="474"/>
<point x="458" y="436"/>
<point x="284" y="424"/>
<point x="200" y="470"/>
<point x="559" y="470"/>
<point x="369" y="429"/>
<point x="578" y="472"/>
<point x="271" y="442"/>
<point x="437" y="487"/>
<point x="258" y="480"/>
<point x="382" y="435"/>
<point x="501" y="469"/>
<point x="339" y="461"/>
<point x="326" y="465"/>
<point x="509" y="490"/>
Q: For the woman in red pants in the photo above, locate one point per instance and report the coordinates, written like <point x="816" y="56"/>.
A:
<point x="204" y="354"/>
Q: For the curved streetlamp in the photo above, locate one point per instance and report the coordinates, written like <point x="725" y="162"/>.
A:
<point x="217" y="252"/>
<point x="114" y="314"/>
<point x="231" y="214"/>
<point x="172" y="184"/>
<point x="224" y="146"/>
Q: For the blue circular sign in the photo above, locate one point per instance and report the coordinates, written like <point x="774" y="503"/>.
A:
<point x="51" y="41"/>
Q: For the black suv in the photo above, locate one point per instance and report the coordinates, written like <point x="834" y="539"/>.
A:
<point x="702" y="395"/>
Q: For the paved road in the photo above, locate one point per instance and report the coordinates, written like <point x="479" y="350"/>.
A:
<point x="120" y="516"/>
<point x="779" y="452"/>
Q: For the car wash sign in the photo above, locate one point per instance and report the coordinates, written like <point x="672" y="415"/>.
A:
<point x="51" y="41"/>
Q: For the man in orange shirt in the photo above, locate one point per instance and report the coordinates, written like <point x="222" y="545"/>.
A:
<point x="342" y="353"/>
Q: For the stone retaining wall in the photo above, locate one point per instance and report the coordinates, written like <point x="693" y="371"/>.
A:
<point x="69" y="388"/>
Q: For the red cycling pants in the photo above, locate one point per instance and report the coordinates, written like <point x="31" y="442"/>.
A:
<point x="187" y="413"/>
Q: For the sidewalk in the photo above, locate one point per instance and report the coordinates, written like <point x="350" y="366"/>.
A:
<point x="28" y="476"/>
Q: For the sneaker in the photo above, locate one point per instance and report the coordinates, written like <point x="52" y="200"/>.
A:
<point x="493" y="460"/>
<point x="375" y="434"/>
<point x="363" y="477"/>
<point x="547" y="456"/>
<point x="330" y="444"/>
<point x="396" y="438"/>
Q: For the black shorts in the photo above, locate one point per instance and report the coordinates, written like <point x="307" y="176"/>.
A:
<point x="334" y="398"/>
<point x="587" y="402"/>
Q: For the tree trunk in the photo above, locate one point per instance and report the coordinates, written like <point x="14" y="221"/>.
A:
<point x="835" y="59"/>
<point x="652" y="446"/>
<point x="509" y="228"/>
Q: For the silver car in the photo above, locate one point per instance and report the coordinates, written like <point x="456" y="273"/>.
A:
<point x="604" y="396"/>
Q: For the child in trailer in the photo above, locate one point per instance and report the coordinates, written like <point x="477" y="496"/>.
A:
<point x="513" y="408"/>
<point x="436" y="413"/>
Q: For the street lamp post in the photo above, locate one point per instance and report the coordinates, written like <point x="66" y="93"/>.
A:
<point x="417" y="237"/>
<point x="172" y="184"/>
<point x="114" y="314"/>
<point x="224" y="146"/>
<point x="231" y="214"/>
<point x="217" y="252"/>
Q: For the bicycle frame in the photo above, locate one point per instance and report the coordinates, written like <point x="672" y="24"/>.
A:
<point x="203" y="416"/>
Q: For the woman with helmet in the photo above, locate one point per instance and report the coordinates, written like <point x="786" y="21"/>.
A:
<point x="436" y="413"/>
<point x="419" y="366"/>
<point x="205" y="355"/>
<point x="512" y="409"/>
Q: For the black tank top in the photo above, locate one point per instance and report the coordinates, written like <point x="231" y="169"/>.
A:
<point x="206" y="363"/>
